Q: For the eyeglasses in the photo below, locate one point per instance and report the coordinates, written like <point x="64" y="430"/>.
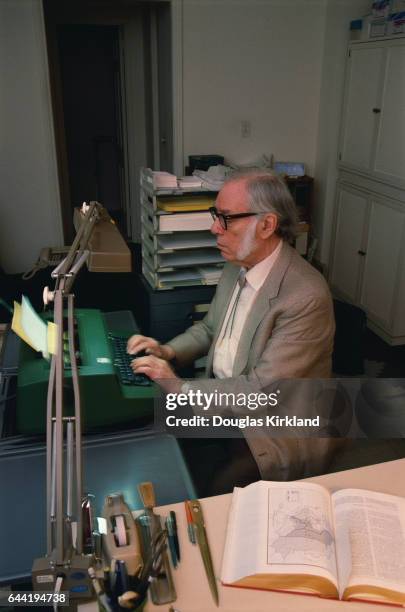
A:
<point x="224" y="218"/>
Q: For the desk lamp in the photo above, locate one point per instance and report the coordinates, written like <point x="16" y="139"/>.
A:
<point x="65" y="567"/>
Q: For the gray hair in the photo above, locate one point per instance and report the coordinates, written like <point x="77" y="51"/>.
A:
<point x="268" y="193"/>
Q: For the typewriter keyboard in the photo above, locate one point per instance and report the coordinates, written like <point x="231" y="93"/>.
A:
<point x="122" y="362"/>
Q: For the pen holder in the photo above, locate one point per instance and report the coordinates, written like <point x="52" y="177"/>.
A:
<point x="121" y="539"/>
<point x="152" y="541"/>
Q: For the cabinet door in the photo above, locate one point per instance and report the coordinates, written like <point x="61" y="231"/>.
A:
<point x="382" y="260"/>
<point x="390" y="149"/>
<point x="349" y="239"/>
<point x="360" y="121"/>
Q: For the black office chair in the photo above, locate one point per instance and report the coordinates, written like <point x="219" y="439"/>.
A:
<point x="348" y="352"/>
<point x="380" y="402"/>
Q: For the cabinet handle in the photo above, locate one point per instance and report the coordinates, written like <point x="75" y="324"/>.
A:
<point x="376" y="110"/>
<point x="362" y="253"/>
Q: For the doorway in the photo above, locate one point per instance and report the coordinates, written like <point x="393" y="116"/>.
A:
<point x="110" y="74"/>
<point x="92" y="112"/>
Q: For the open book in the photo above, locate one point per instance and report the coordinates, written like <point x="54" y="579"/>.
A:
<point x="299" y="537"/>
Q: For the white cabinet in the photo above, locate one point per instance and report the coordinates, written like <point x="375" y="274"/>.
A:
<point x="390" y="147"/>
<point x="373" y="124"/>
<point x="369" y="258"/>
<point x="382" y="261"/>
<point x="367" y="264"/>
<point x="350" y="224"/>
<point x="361" y="105"/>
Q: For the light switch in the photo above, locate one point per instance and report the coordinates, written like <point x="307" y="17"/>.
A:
<point x="245" y="128"/>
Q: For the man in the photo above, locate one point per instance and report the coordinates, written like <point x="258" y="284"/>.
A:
<point x="271" y="319"/>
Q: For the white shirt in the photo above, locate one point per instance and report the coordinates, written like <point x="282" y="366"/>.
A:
<point x="227" y="346"/>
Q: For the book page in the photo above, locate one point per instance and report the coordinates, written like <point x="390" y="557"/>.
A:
<point x="370" y="535"/>
<point x="244" y="539"/>
<point x="300" y="528"/>
<point x="280" y="528"/>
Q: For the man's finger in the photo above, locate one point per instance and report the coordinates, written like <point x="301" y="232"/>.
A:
<point x="134" y="346"/>
<point x="146" y="359"/>
<point x="141" y="346"/>
<point x="150" y="369"/>
<point x="154" y="351"/>
<point x="141" y="362"/>
<point x="145" y="370"/>
<point x="134" y="340"/>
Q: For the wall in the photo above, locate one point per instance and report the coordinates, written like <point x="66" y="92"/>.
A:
<point x="338" y="16"/>
<point x="256" y="61"/>
<point x="278" y="64"/>
<point x="29" y="194"/>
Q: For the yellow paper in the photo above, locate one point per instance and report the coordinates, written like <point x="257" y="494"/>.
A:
<point x="16" y="326"/>
<point x="185" y="205"/>
<point x="34" y="327"/>
<point x="52" y="338"/>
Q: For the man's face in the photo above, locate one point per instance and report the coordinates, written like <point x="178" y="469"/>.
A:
<point x="239" y="241"/>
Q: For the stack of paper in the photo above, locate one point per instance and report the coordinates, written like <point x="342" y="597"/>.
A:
<point x="29" y="326"/>
<point x="210" y="274"/>
<point x="181" y="240"/>
<point x="185" y="222"/>
<point x="187" y="182"/>
<point x="185" y="274"/>
<point x="184" y="204"/>
<point x="190" y="258"/>
<point x="214" y="177"/>
<point x="164" y="180"/>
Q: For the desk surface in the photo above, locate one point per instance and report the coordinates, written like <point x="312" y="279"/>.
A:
<point x="190" y="580"/>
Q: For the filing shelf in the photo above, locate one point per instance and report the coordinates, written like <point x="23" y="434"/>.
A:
<point x="177" y="265"/>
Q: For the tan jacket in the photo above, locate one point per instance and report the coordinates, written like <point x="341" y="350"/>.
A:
<point x="288" y="334"/>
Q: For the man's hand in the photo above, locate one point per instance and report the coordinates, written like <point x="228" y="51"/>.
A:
<point x="159" y="370"/>
<point x="150" y="346"/>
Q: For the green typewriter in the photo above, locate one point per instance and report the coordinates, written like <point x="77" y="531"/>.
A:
<point x="111" y="394"/>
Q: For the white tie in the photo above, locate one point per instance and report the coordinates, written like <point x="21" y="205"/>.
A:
<point x="231" y="318"/>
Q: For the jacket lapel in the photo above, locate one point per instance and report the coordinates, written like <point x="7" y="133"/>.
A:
<point x="261" y="306"/>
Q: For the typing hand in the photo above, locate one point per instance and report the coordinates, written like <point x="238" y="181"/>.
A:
<point x="158" y="370"/>
<point x="148" y="346"/>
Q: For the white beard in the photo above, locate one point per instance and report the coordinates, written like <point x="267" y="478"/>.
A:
<point x="248" y="241"/>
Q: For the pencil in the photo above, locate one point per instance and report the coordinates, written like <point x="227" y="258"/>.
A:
<point x="190" y="524"/>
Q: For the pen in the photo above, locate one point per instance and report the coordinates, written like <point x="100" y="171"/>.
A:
<point x="119" y="578"/>
<point x="175" y="536"/>
<point x="170" y="538"/>
<point x="99" y="591"/>
<point x="190" y="524"/>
